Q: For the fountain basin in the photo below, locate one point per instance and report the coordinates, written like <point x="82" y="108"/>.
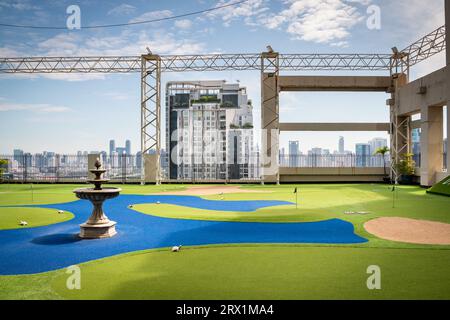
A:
<point x="98" y="225"/>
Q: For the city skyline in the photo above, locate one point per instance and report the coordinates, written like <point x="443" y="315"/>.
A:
<point x="77" y="101"/>
<point x="107" y="150"/>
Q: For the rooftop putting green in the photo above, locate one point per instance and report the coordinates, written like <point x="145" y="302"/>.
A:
<point x="262" y="270"/>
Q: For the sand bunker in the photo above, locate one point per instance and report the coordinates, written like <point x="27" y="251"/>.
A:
<point x="209" y="190"/>
<point x="410" y="230"/>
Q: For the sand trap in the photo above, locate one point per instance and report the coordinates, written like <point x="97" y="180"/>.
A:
<point x="409" y="230"/>
<point x="209" y="190"/>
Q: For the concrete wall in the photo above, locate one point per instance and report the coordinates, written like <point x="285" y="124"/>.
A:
<point x="410" y="99"/>
<point x="334" y="83"/>
<point x="331" y="174"/>
<point x="150" y="167"/>
<point x="335" y="127"/>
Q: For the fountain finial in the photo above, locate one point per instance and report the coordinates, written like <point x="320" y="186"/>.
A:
<point x="97" y="163"/>
<point x="98" y="172"/>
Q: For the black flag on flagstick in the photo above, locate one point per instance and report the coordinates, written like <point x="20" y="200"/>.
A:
<point x="296" y="202"/>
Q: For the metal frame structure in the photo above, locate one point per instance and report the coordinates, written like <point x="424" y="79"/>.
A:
<point x="151" y="66"/>
<point x="151" y="109"/>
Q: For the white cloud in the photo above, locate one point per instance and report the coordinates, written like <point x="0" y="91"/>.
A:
<point x="123" y="9"/>
<point x="153" y="15"/>
<point x="320" y="21"/>
<point x="183" y="24"/>
<point x="8" y="52"/>
<point x="20" y="5"/>
<point x="38" y="108"/>
<point x="244" y="10"/>
<point x="126" y="43"/>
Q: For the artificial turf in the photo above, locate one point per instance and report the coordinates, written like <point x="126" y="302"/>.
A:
<point x="441" y="188"/>
<point x="258" y="271"/>
<point x="35" y="217"/>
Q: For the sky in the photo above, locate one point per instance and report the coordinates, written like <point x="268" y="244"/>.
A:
<point x="70" y="112"/>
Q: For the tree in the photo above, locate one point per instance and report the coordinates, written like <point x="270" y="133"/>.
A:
<point x="383" y="151"/>
<point x="3" y="166"/>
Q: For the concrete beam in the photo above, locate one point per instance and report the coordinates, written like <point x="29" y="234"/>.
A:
<point x="334" y="83"/>
<point x="410" y="96"/>
<point x="335" y="127"/>
<point x="331" y="174"/>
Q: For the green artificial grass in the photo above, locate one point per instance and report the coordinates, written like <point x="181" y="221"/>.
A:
<point x="17" y="194"/>
<point x="270" y="271"/>
<point x="442" y="187"/>
<point x="35" y="217"/>
<point x="263" y="272"/>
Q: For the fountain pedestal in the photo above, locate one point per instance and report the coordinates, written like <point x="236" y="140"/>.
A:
<point x="98" y="225"/>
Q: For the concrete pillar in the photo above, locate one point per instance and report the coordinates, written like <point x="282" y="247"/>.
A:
<point x="400" y="125"/>
<point x="431" y="145"/>
<point x="270" y="127"/>
<point x="448" y="137"/>
<point x="447" y="39"/>
<point x="150" y="162"/>
<point x="92" y="157"/>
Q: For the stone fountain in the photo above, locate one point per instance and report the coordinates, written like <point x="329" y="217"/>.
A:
<point x="98" y="225"/>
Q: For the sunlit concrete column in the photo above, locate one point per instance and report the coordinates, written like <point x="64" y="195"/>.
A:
<point x="447" y="38"/>
<point x="448" y="138"/>
<point x="270" y="127"/>
<point x="431" y="139"/>
<point x="150" y="167"/>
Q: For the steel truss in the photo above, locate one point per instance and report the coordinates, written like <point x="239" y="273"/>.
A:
<point x="151" y="110"/>
<point x="270" y="70"/>
<point x="180" y="63"/>
<point x="151" y="66"/>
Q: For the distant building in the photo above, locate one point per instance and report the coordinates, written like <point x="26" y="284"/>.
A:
<point x="209" y="131"/>
<point x="18" y="156"/>
<point x="415" y="133"/>
<point x="294" y="153"/>
<point x="362" y="151"/>
<point x="341" y="147"/>
<point x="376" y="144"/>
<point x="128" y="147"/>
<point x="112" y="146"/>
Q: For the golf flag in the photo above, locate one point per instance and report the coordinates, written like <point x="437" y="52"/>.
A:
<point x="296" y="200"/>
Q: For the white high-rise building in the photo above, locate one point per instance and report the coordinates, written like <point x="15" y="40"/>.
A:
<point x="209" y="131"/>
<point x="375" y="144"/>
<point x="341" y="145"/>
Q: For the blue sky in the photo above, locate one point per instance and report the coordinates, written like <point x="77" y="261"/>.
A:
<point x="66" y="113"/>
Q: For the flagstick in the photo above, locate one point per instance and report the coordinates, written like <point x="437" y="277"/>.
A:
<point x="32" y="194"/>
<point x="296" y="202"/>
<point x="393" y="199"/>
